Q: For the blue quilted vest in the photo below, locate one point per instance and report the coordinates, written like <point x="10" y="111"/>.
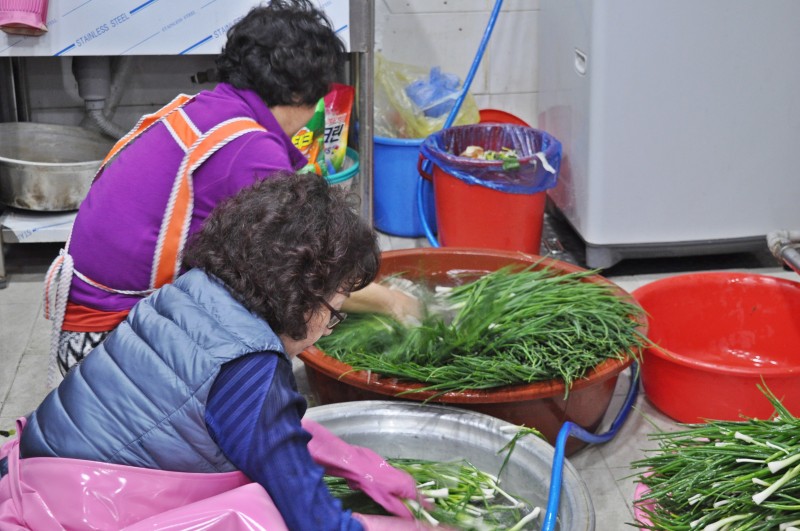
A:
<point x="139" y="398"/>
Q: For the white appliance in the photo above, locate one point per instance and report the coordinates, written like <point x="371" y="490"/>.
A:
<point x="680" y="121"/>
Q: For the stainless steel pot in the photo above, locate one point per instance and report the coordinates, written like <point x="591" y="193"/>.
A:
<point x="48" y="167"/>
<point x="443" y="433"/>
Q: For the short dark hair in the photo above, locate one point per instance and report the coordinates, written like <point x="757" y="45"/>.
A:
<point x="283" y="245"/>
<point x="286" y="52"/>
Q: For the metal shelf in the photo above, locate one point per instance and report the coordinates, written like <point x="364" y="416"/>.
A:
<point x="19" y="226"/>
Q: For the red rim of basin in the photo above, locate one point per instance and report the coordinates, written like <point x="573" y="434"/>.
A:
<point x="716" y="368"/>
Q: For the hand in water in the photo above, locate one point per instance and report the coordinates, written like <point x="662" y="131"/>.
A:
<point x="388" y="300"/>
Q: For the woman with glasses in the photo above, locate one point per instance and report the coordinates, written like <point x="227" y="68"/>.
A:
<point x="195" y="390"/>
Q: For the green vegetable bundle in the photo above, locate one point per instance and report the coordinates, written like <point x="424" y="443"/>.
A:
<point x="460" y="496"/>
<point x="726" y="475"/>
<point x="508" y="328"/>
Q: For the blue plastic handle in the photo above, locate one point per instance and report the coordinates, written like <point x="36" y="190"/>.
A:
<point x="570" y="429"/>
<point x="426" y="226"/>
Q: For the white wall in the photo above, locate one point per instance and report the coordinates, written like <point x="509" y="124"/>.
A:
<point x="447" y="33"/>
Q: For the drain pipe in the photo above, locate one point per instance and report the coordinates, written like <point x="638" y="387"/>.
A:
<point x="784" y="245"/>
<point x="68" y="82"/>
<point x="122" y="71"/>
<point x="93" y="75"/>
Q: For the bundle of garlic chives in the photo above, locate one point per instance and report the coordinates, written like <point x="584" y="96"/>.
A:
<point x="510" y="327"/>
<point x="726" y="475"/>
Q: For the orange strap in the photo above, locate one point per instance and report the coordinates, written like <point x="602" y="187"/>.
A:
<point x="182" y="129"/>
<point x="144" y="123"/>
<point x="175" y="226"/>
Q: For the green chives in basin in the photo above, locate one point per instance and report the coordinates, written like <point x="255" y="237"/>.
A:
<point x="725" y="475"/>
<point x="458" y="495"/>
<point x="507" y="327"/>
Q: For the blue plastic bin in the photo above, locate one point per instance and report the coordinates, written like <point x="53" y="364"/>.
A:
<point x="395" y="179"/>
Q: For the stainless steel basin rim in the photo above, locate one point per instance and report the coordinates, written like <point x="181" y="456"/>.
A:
<point x="444" y="433"/>
<point x="47" y="166"/>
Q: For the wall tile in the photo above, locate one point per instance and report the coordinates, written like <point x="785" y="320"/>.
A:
<point x="483" y="101"/>
<point x="522" y="105"/>
<point x="519" y="5"/>
<point x="453" y="6"/>
<point x="437" y="39"/>
<point x="511" y="56"/>
<point x="428" y="33"/>
<point x="433" y="6"/>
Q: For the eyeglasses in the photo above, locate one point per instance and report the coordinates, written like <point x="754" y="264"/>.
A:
<point x="336" y="316"/>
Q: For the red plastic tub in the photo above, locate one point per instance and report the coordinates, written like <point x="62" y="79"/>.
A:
<point x="542" y="404"/>
<point x="476" y="216"/>
<point x="720" y="335"/>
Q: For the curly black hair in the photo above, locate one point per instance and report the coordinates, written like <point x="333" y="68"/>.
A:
<point x="284" y="245"/>
<point x="286" y="52"/>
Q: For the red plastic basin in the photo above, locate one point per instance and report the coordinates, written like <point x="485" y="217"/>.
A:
<point x="719" y="335"/>
<point x="542" y="405"/>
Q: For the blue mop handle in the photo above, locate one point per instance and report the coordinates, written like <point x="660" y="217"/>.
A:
<point x="572" y="429"/>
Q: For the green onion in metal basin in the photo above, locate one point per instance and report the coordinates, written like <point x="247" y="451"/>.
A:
<point x="459" y="495"/>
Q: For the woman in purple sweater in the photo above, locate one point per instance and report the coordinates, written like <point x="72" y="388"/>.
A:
<point x="161" y="181"/>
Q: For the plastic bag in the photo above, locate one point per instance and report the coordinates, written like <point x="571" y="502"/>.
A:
<point x="338" y="106"/>
<point x="323" y="140"/>
<point x="413" y="102"/>
<point x="538" y="155"/>
<point x="310" y="140"/>
<point x="435" y="95"/>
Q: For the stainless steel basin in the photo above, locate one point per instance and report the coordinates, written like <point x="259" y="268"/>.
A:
<point x="443" y="433"/>
<point x="48" y="167"/>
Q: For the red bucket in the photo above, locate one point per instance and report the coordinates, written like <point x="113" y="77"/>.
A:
<point x="478" y="216"/>
<point x="469" y="215"/>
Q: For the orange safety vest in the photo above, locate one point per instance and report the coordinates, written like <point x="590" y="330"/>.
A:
<point x="166" y="264"/>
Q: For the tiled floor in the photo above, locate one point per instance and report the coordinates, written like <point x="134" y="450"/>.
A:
<point x="24" y="340"/>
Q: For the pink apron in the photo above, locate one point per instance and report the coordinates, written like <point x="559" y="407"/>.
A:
<point x="46" y="493"/>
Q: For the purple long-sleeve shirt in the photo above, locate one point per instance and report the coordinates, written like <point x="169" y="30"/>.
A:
<point x="117" y="226"/>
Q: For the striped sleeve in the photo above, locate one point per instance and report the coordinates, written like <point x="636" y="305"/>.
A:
<point x="253" y="413"/>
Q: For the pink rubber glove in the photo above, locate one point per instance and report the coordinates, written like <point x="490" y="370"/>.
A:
<point x="363" y="469"/>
